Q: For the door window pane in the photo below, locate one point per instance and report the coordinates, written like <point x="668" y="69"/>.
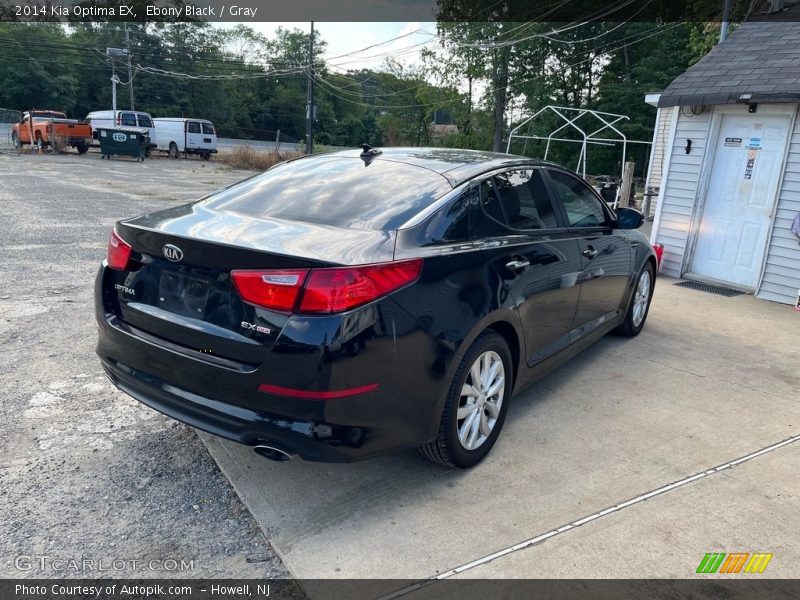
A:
<point x="208" y="129"/>
<point x="193" y="127"/>
<point x="487" y="218"/>
<point x="582" y="207"/>
<point x="128" y="119"/>
<point x="524" y="199"/>
<point x="144" y="121"/>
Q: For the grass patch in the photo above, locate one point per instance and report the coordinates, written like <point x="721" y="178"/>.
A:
<point x="248" y="158"/>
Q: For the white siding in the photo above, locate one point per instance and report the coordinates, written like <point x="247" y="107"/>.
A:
<point x="660" y="140"/>
<point x="662" y="137"/>
<point x="680" y="188"/>
<point x="781" y="278"/>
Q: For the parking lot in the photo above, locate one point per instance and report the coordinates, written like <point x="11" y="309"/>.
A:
<point x="86" y="473"/>
<point x="623" y="463"/>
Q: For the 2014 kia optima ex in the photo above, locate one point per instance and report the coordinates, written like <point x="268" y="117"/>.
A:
<point x="340" y="306"/>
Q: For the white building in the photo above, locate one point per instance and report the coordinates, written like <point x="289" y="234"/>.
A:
<point x="726" y="159"/>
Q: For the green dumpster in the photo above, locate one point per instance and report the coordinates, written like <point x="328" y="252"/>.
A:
<point x="123" y="141"/>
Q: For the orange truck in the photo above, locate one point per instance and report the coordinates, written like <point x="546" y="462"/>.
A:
<point x="48" y="128"/>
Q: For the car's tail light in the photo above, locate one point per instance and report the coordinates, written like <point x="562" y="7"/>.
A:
<point x="276" y="290"/>
<point x="119" y="251"/>
<point x="330" y="290"/>
<point x="339" y="289"/>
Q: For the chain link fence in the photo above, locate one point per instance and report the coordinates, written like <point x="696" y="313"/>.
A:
<point x="7" y="119"/>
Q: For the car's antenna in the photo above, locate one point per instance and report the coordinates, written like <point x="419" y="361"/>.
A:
<point x="368" y="153"/>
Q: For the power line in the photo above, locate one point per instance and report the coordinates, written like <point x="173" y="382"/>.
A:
<point x="54" y="62"/>
<point x="608" y="31"/>
<point x="601" y="13"/>
<point x="663" y="29"/>
<point x="219" y="77"/>
<point x="383" y="43"/>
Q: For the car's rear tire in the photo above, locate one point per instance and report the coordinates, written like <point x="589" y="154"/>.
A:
<point x="639" y="305"/>
<point x="173" y="150"/>
<point x="476" y="404"/>
<point x="15" y="141"/>
<point x="40" y="145"/>
<point x="82" y="148"/>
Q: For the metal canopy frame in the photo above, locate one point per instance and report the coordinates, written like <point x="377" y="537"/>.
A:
<point x="570" y="116"/>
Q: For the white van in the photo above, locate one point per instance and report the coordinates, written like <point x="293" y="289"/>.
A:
<point x="125" y="118"/>
<point x="186" y="136"/>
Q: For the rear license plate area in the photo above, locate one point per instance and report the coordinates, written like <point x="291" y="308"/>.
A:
<point x="183" y="294"/>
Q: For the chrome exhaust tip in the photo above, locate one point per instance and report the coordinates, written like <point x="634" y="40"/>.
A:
<point x="273" y="453"/>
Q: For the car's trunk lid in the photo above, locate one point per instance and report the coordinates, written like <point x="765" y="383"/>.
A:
<point x="178" y="288"/>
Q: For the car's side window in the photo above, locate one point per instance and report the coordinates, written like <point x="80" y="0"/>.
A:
<point x="450" y="225"/>
<point x="144" y="121"/>
<point x="486" y="217"/>
<point x="208" y="129"/>
<point x="193" y="127"/>
<point x="128" y="119"/>
<point x="524" y="199"/>
<point x="581" y="206"/>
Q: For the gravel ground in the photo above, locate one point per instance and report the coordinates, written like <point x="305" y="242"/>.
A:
<point x="86" y="472"/>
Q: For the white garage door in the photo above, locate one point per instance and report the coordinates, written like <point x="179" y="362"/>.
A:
<point x="732" y="237"/>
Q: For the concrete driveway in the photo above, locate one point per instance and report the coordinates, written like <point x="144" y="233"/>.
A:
<point x="623" y="463"/>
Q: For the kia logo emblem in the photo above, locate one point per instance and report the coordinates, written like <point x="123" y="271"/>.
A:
<point x="172" y="253"/>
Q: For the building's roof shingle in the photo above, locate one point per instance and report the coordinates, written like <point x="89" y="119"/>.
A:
<point x="759" y="62"/>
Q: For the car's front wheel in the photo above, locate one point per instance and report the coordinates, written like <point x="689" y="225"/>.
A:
<point x="476" y="404"/>
<point x="640" y="303"/>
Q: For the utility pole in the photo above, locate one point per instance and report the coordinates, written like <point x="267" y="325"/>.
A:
<point x="112" y="54"/>
<point x="130" y="69"/>
<point x="310" y="104"/>
<point x="114" y="90"/>
<point x="726" y="17"/>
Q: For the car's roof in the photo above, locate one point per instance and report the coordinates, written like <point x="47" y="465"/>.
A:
<point x="457" y="165"/>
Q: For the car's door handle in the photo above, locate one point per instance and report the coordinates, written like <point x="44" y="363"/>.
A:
<point x="590" y="252"/>
<point x="517" y="264"/>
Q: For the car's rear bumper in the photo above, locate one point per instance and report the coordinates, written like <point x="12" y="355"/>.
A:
<point x="365" y="405"/>
<point x="234" y="423"/>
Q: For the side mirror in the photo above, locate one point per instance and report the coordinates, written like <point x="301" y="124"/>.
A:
<point x="629" y="218"/>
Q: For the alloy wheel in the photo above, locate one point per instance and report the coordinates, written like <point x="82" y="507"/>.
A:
<point x="480" y="400"/>
<point x="641" y="298"/>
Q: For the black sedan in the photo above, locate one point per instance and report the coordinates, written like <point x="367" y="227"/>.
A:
<point x="341" y="306"/>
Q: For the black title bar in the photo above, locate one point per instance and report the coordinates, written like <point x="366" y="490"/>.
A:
<point x="254" y="11"/>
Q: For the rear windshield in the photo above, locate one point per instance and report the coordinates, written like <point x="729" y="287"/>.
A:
<point x="337" y="191"/>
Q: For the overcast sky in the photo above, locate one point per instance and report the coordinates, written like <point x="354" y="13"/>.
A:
<point x="344" y="38"/>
